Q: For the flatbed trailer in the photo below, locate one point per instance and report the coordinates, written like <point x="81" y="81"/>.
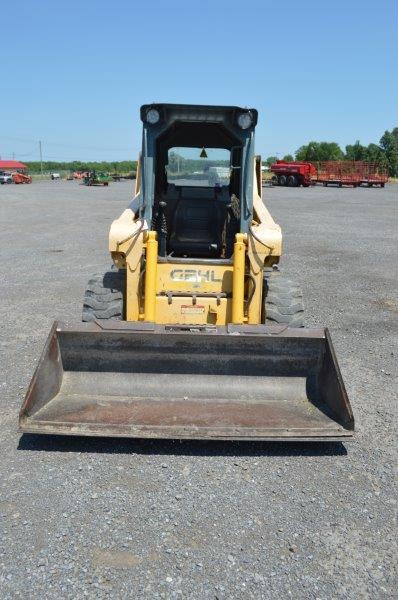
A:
<point x="374" y="174"/>
<point x="351" y="172"/>
<point x="339" y="172"/>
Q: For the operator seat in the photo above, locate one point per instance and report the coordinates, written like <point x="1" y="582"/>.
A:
<point x="197" y="225"/>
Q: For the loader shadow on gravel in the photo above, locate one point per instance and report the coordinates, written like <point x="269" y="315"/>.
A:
<point x="55" y="443"/>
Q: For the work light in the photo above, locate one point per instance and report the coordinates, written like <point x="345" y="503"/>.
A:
<point x="152" y="116"/>
<point x="245" y="120"/>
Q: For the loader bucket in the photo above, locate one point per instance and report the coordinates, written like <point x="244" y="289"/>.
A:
<point x="152" y="381"/>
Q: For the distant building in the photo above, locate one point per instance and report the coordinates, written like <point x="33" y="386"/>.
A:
<point x="12" y="165"/>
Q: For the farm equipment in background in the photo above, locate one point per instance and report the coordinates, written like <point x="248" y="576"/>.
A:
<point x="374" y="173"/>
<point x="195" y="333"/>
<point x="293" y="174"/>
<point x="96" y="178"/>
<point x="21" y="178"/>
<point x="116" y="176"/>
<point x="331" y="172"/>
<point x="131" y="175"/>
<point x="351" y="172"/>
<point x="5" y="178"/>
<point x="339" y="172"/>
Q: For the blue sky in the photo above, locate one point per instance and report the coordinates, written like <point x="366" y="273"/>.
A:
<point x="74" y="74"/>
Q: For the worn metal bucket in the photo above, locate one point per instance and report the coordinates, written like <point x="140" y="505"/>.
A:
<point x="238" y="382"/>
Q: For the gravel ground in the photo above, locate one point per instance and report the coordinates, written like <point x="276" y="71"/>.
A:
<point x="143" y="519"/>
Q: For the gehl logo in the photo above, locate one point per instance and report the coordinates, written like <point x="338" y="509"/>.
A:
<point x="195" y="275"/>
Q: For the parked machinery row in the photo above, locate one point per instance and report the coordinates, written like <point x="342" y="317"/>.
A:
<point x="14" y="178"/>
<point x="331" y="172"/>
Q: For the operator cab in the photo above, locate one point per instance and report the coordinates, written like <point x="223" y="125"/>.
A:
<point x="197" y="155"/>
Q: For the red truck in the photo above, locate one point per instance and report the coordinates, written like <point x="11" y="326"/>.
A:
<point x="293" y="173"/>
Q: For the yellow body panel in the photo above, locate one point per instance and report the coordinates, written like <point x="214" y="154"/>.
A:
<point x="238" y="280"/>
<point x="150" y="276"/>
<point x="183" y="311"/>
<point x="255" y="306"/>
<point x="194" y="277"/>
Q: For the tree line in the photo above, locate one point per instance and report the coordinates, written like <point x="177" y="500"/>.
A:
<point x="124" y="166"/>
<point x="181" y="164"/>
<point x="385" y="152"/>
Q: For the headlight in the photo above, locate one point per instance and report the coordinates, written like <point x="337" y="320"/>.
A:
<point x="245" y="120"/>
<point x="152" y="116"/>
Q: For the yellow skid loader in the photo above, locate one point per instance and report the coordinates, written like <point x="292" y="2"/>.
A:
<point x="194" y="332"/>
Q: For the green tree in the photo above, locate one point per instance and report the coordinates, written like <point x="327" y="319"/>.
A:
<point x="308" y="152"/>
<point x="317" y="151"/>
<point x="330" y="151"/>
<point x="268" y="161"/>
<point x="375" y="154"/>
<point x="288" y="158"/>
<point x="126" y="166"/>
<point x="356" y="152"/>
<point x="389" y="144"/>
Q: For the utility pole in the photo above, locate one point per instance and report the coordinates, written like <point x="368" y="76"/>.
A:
<point x="41" y="159"/>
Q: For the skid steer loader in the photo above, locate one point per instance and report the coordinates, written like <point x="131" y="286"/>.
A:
<point x="194" y="332"/>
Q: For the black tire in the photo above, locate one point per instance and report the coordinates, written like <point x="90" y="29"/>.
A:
<point x="274" y="180"/>
<point x="282" y="179"/>
<point x="282" y="301"/>
<point x="292" y="181"/>
<point x="104" y="296"/>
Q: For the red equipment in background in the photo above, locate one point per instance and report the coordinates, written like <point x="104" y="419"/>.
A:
<point x="339" y="172"/>
<point x="374" y="174"/>
<point x="351" y="172"/>
<point x="21" y="178"/>
<point x="293" y="173"/>
<point x="17" y="169"/>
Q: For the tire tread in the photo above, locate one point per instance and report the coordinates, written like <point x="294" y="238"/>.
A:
<point x="282" y="300"/>
<point x="103" y="298"/>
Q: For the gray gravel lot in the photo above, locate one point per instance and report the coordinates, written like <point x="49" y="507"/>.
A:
<point x="143" y="519"/>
